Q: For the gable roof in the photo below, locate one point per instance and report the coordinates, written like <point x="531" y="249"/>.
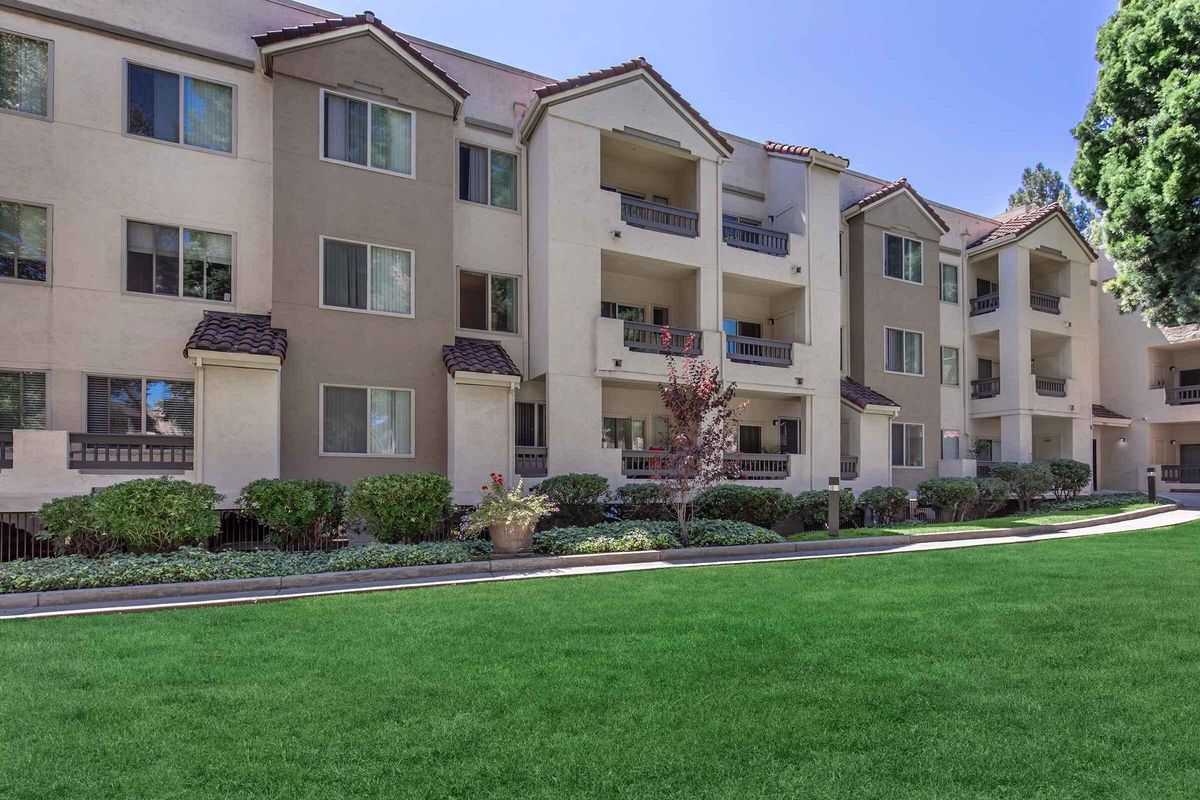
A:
<point x="478" y="355"/>
<point x="885" y="192"/>
<point x="226" y="332"/>
<point x="627" y="68"/>
<point x="1021" y="224"/>
<point x="861" y="396"/>
<point x="365" y="18"/>
<point x="779" y="148"/>
<point x="1105" y="412"/>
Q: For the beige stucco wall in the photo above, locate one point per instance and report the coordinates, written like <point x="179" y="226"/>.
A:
<point x="237" y="424"/>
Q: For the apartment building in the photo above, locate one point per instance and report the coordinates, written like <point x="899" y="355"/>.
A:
<point x="255" y="238"/>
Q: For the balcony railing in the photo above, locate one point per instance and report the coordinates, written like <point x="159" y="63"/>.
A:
<point x="750" y="237"/>
<point x="1182" y="395"/>
<point x="659" y="217"/>
<point x="121" y="453"/>
<point x="1050" y="387"/>
<point x="743" y="466"/>
<point x="531" y="462"/>
<point x="748" y="350"/>
<point x="6" y="449"/>
<point x="645" y="338"/>
<point x="849" y="468"/>
<point x="985" y="303"/>
<point x="985" y="388"/>
<point x="1180" y="473"/>
<point x="1041" y="301"/>
<point x="983" y="469"/>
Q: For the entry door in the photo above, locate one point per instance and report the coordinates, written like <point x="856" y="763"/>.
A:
<point x="985" y="369"/>
<point x="789" y="436"/>
<point x="749" y="439"/>
<point x="1189" y="377"/>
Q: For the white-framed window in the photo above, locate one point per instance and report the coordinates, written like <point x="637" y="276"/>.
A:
<point x="908" y="444"/>
<point x="950" y="445"/>
<point x="364" y="133"/>
<point x="628" y="312"/>
<point x="366" y="421"/>
<point x="26" y="75"/>
<point x="531" y="424"/>
<point x="180" y="109"/>
<point x="357" y="276"/>
<point x="949" y="366"/>
<point x="949" y="283"/>
<point x="904" y="351"/>
<point x="902" y="258"/>
<point x="22" y="400"/>
<point x="623" y="433"/>
<point x="178" y="261"/>
<point x="24" y="241"/>
<point x="129" y="405"/>
<point x="487" y="176"/>
<point x="487" y="301"/>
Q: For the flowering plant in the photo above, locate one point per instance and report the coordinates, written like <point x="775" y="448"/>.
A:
<point x="502" y="504"/>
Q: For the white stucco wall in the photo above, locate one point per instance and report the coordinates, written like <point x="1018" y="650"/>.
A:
<point x="237" y="416"/>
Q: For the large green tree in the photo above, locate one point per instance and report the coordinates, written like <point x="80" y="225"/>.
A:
<point x="1041" y="186"/>
<point x="1139" y="156"/>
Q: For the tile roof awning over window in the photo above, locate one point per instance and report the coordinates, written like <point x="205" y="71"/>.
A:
<point x="1104" y="412"/>
<point x="478" y="355"/>
<point x="1022" y="224"/>
<point x="779" y="148"/>
<point x="890" y="189"/>
<point x="861" y="396"/>
<point x="226" y="332"/>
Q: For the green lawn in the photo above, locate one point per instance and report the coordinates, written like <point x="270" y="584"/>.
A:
<point x="1056" y="669"/>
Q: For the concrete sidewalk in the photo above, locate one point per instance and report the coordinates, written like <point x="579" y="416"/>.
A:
<point x="1157" y="521"/>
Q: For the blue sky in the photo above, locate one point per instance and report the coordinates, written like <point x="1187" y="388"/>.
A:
<point x="956" y="96"/>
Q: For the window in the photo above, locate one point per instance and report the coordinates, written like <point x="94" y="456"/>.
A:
<point x="531" y="424"/>
<point x="950" y="366"/>
<point x="487" y="302"/>
<point x="904" y="351"/>
<point x="623" y="433"/>
<point x="24" y="239"/>
<point x="204" y="118"/>
<point x="735" y="327"/>
<point x="950" y="445"/>
<point x="613" y="310"/>
<point x="487" y="176"/>
<point x="949" y="283"/>
<point x="366" y="420"/>
<point x="22" y="401"/>
<point x="154" y="253"/>
<point x="25" y="75"/>
<point x="902" y="258"/>
<point x="984" y="286"/>
<point x="367" y="134"/>
<point x="139" y="405"/>
<point x="366" y="277"/>
<point x="749" y="439"/>
<point x="661" y="316"/>
<point x="908" y="444"/>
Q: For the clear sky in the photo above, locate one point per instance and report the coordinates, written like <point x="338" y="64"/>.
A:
<point x="956" y="96"/>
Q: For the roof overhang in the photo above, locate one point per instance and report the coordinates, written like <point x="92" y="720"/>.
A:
<point x="464" y="377"/>
<point x="215" y="358"/>
<point x="1060" y="216"/>
<point x="917" y="200"/>
<point x="872" y="408"/>
<point x="1112" y="422"/>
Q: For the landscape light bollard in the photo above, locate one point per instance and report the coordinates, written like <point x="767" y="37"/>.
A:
<point x="835" y="505"/>
<point x="1150" y="487"/>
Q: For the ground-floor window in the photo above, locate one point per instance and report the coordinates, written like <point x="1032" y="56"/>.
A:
<point x="366" y="420"/>
<point x="624" y="433"/>
<point x="22" y="401"/>
<point x="908" y="444"/>
<point x="123" y="405"/>
<point x="950" y="445"/>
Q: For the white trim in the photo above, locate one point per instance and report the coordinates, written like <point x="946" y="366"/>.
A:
<point x="412" y="137"/>
<point x="920" y="374"/>
<point x="487" y="307"/>
<point x="49" y="245"/>
<point x="458" y="175"/>
<point x="126" y="63"/>
<point x="903" y="238"/>
<point x="412" y="276"/>
<point x="49" y="115"/>
<point x="125" y="290"/>
<point x="920" y="425"/>
<point x="412" y="420"/>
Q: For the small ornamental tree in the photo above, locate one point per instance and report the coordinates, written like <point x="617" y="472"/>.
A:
<point x="1070" y="477"/>
<point x="702" y="428"/>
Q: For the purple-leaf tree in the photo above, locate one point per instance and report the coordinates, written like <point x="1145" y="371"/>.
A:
<point x="701" y="430"/>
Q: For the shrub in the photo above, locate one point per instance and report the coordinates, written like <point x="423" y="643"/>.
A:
<point x="643" y="501"/>
<point x="724" y="532"/>
<point x="754" y="504"/>
<point x="401" y="507"/>
<point x="1070" y="477"/>
<point x="158" y="514"/>
<point x="580" y="497"/>
<point x="302" y="514"/>
<point x="951" y="496"/>
<point x="993" y="496"/>
<point x="1095" y="501"/>
<point x="813" y="507"/>
<point x="1027" y="482"/>
<point x="887" y="504"/>
<point x="70" y="523"/>
<point x="609" y="537"/>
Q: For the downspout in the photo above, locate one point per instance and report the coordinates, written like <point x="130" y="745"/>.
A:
<point x="808" y="403"/>
<point x="198" y="423"/>
<point x="964" y="311"/>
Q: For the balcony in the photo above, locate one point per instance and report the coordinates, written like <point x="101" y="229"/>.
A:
<point x="742" y="466"/>
<point x="985" y="303"/>
<point x="659" y="217"/>
<point x="849" y="468"/>
<point x="1173" y="395"/>
<point x="125" y="453"/>
<point x="1180" y="473"/>
<point x="642" y="337"/>
<point x="767" y="352"/>
<point x="531" y="462"/>
<point x="1050" y="387"/>
<point x="752" y="237"/>
<point x="6" y="449"/>
<point x="1044" y="302"/>
<point x="984" y="388"/>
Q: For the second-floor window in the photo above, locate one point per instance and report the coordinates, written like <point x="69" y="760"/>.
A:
<point x="949" y="283"/>
<point x="367" y="134"/>
<point x="123" y="405"/>
<point x="172" y="107"/>
<point x="487" y="302"/>
<point x="950" y="366"/>
<point x="24" y="75"/>
<point x="904" y="351"/>
<point x="24" y="236"/>
<point x="902" y="258"/>
<point x="22" y="401"/>
<point x="366" y="277"/>
<point x="178" y="262"/>
<point x="487" y="176"/>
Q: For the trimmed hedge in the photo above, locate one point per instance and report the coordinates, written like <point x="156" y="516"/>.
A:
<point x="302" y="514"/>
<point x="952" y="496"/>
<point x="620" y="537"/>
<point x="813" y="507"/>
<point x="1070" y="477"/>
<point x="158" y="514"/>
<point x="70" y="523"/>
<point x="754" y="504"/>
<point x="887" y="504"/>
<point x="643" y="501"/>
<point x="1094" y="501"/>
<point x="993" y="496"/>
<point x="580" y="497"/>
<point x="401" y="507"/>
<point x="1027" y="482"/>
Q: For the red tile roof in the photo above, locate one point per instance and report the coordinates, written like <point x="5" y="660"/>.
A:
<point x="478" y="355"/>
<point x="863" y="396"/>
<point x="1106" y="412"/>
<point x="1022" y="223"/>
<point x="365" y="18"/>
<point x="899" y="186"/>
<point x="797" y="150"/>
<point x="627" y="67"/>
<point x="226" y="332"/>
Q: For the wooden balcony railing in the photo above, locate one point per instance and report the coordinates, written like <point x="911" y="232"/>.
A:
<point x="748" y="350"/>
<point x="985" y="303"/>
<point x="659" y="217"/>
<point x="1181" y="395"/>
<point x="849" y="468"/>
<point x="983" y="469"/>
<point x="1041" y="301"/>
<point x="1050" y="387"/>
<point x="121" y="453"/>
<point x="645" y="338"/>
<point x="6" y="449"/>
<point x="531" y="462"/>
<point x="749" y="237"/>
<point x="1180" y="473"/>
<point x="742" y="466"/>
<point x="985" y="388"/>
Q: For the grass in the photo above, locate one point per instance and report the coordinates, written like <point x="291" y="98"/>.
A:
<point x="1061" y="669"/>
<point x="1015" y="521"/>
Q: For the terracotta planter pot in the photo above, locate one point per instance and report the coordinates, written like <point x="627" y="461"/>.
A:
<point x="509" y="537"/>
